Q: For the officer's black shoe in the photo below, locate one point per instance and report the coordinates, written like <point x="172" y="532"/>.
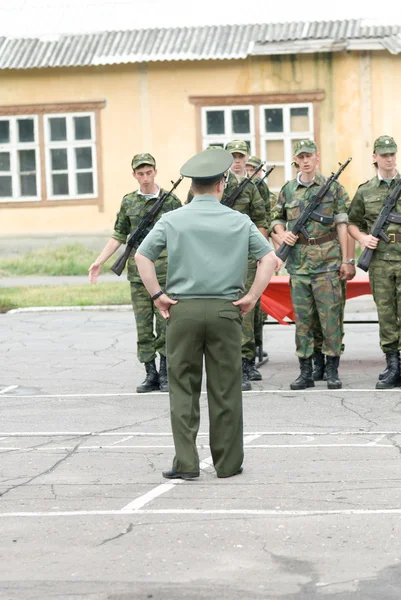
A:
<point x="253" y="373"/>
<point x="392" y="378"/>
<point x="246" y="384"/>
<point x="319" y="365"/>
<point x="151" y="382"/>
<point x="333" y="380"/>
<point x="163" y="380"/>
<point x="305" y="378"/>
<point x="173" y="474"/>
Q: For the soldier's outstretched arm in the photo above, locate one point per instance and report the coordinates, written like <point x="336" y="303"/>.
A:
<point x="109" y="249"/>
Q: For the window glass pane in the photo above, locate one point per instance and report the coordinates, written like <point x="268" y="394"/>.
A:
<point x="277" y="178"/>
<point x="26" y="132"/>
<point x="59" y="159"/>
<point x="275" y="150"/>
<point x="82" y="128"/>
<point x="58" y="129"/>
<point x="85" y="183"/>
<point x="83" y="158"/>
<point x="273" y="120"/>
<point x="4" y="132"/>
<point x="4" y="161"/>
<point x="27" y="160"/>
<point x="28" y="185"/>
<point x="299" y="119"/>
<point x="241" y="121"/>
<point x="214" y="122"/>
<point x="5" y="187"/>
<point x="60" y="184"/>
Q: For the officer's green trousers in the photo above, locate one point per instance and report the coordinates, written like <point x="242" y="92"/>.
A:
<point x="208" y="329"/>
<point x="146" y="314"/>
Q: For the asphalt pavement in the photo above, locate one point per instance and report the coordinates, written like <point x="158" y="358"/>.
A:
<point x="85" y="512"/>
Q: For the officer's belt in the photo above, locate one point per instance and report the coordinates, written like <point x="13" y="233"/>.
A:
<point x="319" y="240"/>
<point x="394" y="237"/>
<point x="394" y="217"/>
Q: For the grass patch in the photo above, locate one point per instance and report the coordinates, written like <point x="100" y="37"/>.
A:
<point x="64" y="295"/>
<point x="74" y="259"/>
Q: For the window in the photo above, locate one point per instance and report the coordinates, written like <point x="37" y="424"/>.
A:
<point x="280" y="128"/>
<point x="70" y="155"/>
<point x="221" y="124"/>
<point x="50" y="154"/>
<point x="19" y="158"/>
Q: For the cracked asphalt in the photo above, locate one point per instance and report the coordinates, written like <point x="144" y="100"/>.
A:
<point x="85" y="513"/>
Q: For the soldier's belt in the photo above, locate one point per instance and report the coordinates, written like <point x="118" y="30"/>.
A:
<point x="394" y="237"/>
<point x="319" y="240"/>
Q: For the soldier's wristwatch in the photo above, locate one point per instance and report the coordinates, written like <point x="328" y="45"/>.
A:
<point x="156" y="296"/>
<point x="351" y="261"/>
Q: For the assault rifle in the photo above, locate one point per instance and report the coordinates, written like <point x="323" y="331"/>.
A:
<point x="302" y="220"/>
<point x="230" y="201"/>
<point x="138" y="235"/>
<point x="265" y="176"/>
<point x="378" y="228"/>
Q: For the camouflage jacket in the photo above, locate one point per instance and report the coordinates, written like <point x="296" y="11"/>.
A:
<point x="133" y="208"/>
<point x="365" y="208"/>
<point x="249" y="202"/>
<point x="293" y="198"/>
<point x="267" y="196"/>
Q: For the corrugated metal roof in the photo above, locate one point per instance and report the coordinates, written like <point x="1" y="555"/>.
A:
<point x="195" y="43"/>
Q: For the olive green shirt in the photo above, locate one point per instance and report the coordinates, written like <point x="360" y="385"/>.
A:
<point x="133" y="208"/>
<point x="208" y="246"/>
<point x="293" y="198"/>
<point x="249" y="201"/>
<point x="365" y="208"/>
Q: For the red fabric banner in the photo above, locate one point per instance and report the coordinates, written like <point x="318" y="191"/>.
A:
<point x="276" y="299"/>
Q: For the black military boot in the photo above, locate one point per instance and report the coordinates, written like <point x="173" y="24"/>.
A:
<point x="383" y="374"/>
<point x="253" y="373"/>
<point x="305" y="378"/>
<point x="163" y="380"/>
<point x="319" y="366"/>
<point x="246" y="384"/>
<point x="333" y="380"/>
<point x="152" y="379"/>
<point x="392" y="378"/>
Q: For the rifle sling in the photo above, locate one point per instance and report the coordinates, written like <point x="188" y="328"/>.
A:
<point x="394" y="217"/>
<point x="325" y="219"/>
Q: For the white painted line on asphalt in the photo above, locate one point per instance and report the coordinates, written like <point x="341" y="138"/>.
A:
<point x="204" y="463"/>
<point x="129" y="437"/>
<point x="250" y="393"/>
<point x="8" y="389"/>
<point x="376" y="441"/>
<point x="205" y="433"/>
<point x="200" y="511"/>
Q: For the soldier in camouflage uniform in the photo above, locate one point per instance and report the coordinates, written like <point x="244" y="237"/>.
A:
<point x="384" y="269"/>
<point x="133" y="208"/>
<point x="314" y="265"/>
<point x="250" y="203"/>
<point x="254" y="163"/>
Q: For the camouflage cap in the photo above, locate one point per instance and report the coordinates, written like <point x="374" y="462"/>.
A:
<point x="214" y="148"/>
<point x="254" y="161"/>
<point x="305" y="146"/>
<point x="384" y="144"/>
<point x="239" y="146"/>
<point x="207" y="164"/>
<point x="142" y="159"/>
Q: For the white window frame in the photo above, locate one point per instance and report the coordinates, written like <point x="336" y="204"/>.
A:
<point x="70" y="144"/>
<point x="228" y="136"/>
<point x="13" y="147"/>
<point x="287" y="136"/>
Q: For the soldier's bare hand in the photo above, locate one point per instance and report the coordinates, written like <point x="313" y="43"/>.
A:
<point x="246" y="303"/>
<point x="369" y="241"/>
<point x="94" y="272"/>
<point x="163" y="303"/>
<point x="347" y="272"/>
<point x="289" y="238"/>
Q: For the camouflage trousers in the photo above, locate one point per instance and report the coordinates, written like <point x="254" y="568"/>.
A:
<point x="319" y="294"/>
<point x="317" y="329"/>
<point x="248" y="322"/>
<point x="385" y="281"/>
<point x="148" y="318"/>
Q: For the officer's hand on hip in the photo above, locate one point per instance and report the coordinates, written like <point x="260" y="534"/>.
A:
<point x="163" y="303"/>
<point x="246" y="303"/>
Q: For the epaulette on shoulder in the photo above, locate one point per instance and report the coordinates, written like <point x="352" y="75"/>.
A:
<point x="364" y="183"/>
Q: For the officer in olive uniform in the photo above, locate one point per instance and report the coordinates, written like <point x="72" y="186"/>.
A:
<point x="314" y="266"/>
<point x="133" y="208"/>
<point x="384" y="269"/>
<point x="208" y="246"/>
